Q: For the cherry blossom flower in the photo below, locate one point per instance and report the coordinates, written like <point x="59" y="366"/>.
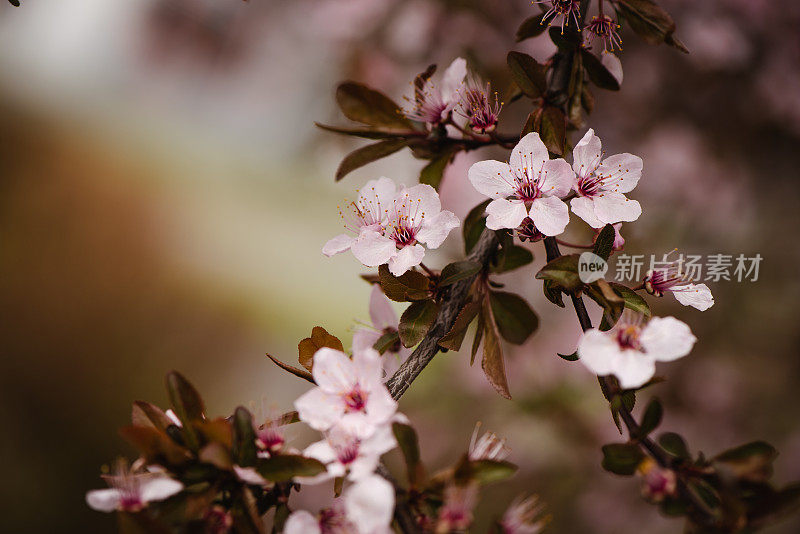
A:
<point x="249" y="475"/>
<point x="671" y="278"/>
<point x="523" y="516"/>
<point x="477" y="106"/>
<point x="431" y="104"/>
<point x="415" y="216"/>
<point x="530" y="186"/>
<point x="131" y="491"/>
<point x="456" y="511"/>
<point x="344" y="453"/>
<point x="568" y="10"/>
<point x="604" y="28"/>
<point x="348" y="392"/>
<point x="366" y="213"/>
<point x="601" y="184"/>
<point x="632" y="347"/>
<point x="487" y="447"/>
<point x="366" y="507"/>
<point x="384" y="321"/>
<point x="657" y="482"/>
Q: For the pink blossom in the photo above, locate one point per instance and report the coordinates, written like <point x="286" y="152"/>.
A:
<point x="349" y="391"/>
<point x="433" y="104"/>
<point x="131" y="491"/>
<point x="632" y="347"/>
<point x="602" y="183"/>
<point x="530" y="185"/>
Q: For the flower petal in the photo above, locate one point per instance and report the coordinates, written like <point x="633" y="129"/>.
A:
<point x="633" y="368"/>
<point x="369" y="504"/>
<point x="598" y="352"/>
<point x="318" y="409"/>
<point x="367" y="367"/>
<point x="333" y="371"/>
<point x="452" y="79"/>
<point x="586" y="154"/>
<point x="550" y="215"/>
<point x="338" y="244"/>
<point x="621" y="172"/>
<point x="697" y="296"/>
<point x="365" y="338"/>
<point x="408" y="257"/>
<point x="381" y="312"/>
<point x="423" y="200"/>
<point x="613" y="65"/>
<point x="378" y="194"/>
<point x="583" y="207"/>
<point x="492" y="178"/>
<point x="504" y="213"/>
<point x="302" y="522"/>
<point x="530" y="153"/>
<point x="436" y="229"/>
<point x="667" y="338"/>
<point x="380" y="406"/>
<point x="103" y="500"/>
<point x="558" y="178"/>
<point x="373" y="248"/>
<point x="612" y="207"/>
<point x="159" y="488"/>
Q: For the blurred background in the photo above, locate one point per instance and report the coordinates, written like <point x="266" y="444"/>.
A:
<point x="164" y="197"/>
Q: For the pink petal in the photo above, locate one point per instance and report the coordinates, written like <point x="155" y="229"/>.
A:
<point x="333" y="371"/>
<point x="103" y="500"/>
<point x="453" y="78"/>
<point x="530" y="153"/>
<point x="697" y="296"/>
<point x="667" y="338"/>
<point x="373" y="248"/>
<point x="492" y="178"/>
<point x="622" y="172"/>
<point x="586" y="154"/>
<point x="633" y="369"/>
<point x="598" y="352"/>
<point x="550" y="215"/>
<point x="340" y="243"/>
<point x="614" y="207"/>
<point x="584" y="208"/>
<point x="302" y="522"/>
<point x="369" y="504"/>
<point x="504" y="213"/>
<point x="318" y="409"/>
<point x="559" y="178"/>
<point x="436" y="229"/>
<point x="410" y="256"/>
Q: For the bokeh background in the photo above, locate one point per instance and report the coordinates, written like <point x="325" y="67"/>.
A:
<point x="164" y="197"/>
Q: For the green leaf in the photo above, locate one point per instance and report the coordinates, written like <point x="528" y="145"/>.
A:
<point x="554" y="130"/>
<point x="492" y="362"/>
<point x="632" y="299"/>
<point x="622" y="458"/>
<point x="409" y="445"/>
<point x="751" y="462"/>
<point x="310" y="345"/>
<point x="488" y="471"/>
<point x="368" y="106"/>
<point x="604" y="243"/>
<point x="474" y="224"/>
<point x="284" y="467"/>
<point x="187" y="404"/>
<point x="515" y="319"/>
<point x="367" y="154"/>
<point x="512" y="257"/>
<point x="552" y="292"/>
<point x="387" y="341"/>
<point x="651" y="418"/>
<point x="432" y="173"/>
<point x="528" y="74"/>
<point x="416" y="321"/>
<point x="674" y="444"/>
<point x="650" y="22"/>
<point x="410" y="286"/>
<point x="570" y="357"/>
<point x="460" y="270"/>
<point x="598" y="73"/>
<point x="601" y="292"/>
<point x="563" y="271"/>
<point x="453" y="339"/>
<point x="531" y="27"/>
<point x="244" y="438"/>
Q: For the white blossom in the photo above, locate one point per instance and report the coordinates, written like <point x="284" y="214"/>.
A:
<point x="632" y="347"/>
<point x="433" y="104"/>
<point x="529" y="185"/>
<point x="602" y="184"/>
<point x="130" y="491"/>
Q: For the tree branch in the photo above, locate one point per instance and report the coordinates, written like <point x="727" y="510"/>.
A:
<point x="634" y="430"/>
<point x="452" y="303"/>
